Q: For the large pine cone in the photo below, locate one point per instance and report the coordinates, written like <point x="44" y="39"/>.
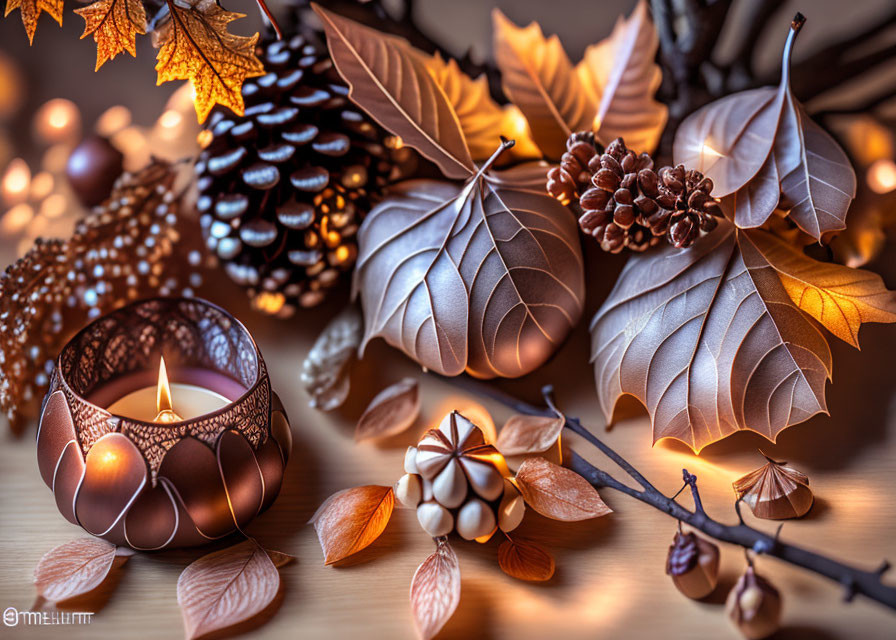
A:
<point x="626" y="204"/>
<point x="284" y="188"/>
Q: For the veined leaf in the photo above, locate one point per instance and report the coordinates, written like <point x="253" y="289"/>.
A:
<point x="352" y="519"/>
<point x="31" y="10"/>
<point x="557" y="492"/>
<point x="391" y="80"/>
<point x="114" y="25"/>
<point x="391" y="411"/>
<point x="75" y="568"/>
<point x="840" y="298"/>
<point x="435" y="590"/>
<point x="539" y="78"/>
<point x="525" y="560"/>
<point x="196" y="46"/>
<point x="708" y="339"/>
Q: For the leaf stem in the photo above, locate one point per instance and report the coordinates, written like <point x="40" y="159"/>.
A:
<point x="266" y="12"/>
<point x="853" y="580"/>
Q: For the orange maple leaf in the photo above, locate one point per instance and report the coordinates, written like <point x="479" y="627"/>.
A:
<point x="114" y="25"/>
<point x="31" y="12"/>
<point x="196" y="46"/>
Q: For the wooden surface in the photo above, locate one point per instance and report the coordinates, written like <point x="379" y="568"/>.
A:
<point x="610" y="579"/>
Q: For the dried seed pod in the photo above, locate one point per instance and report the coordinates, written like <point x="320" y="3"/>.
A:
<point x="754" y="606"/>
<point x="475" y="519"/>
<point x="435" y="519"/>
<point x="512" y="508"/>
<point x="775" y="491"/>
<point x="409" y="490"/>
<point x="693" y="563"/>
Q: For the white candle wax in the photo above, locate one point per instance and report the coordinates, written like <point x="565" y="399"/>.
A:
<point x="188" y="401"/>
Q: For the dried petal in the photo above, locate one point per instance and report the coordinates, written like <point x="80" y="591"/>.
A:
<point x="435" y="590"/>
<point x="557" y="492"/>
<point x="226" y="587"/>
<point x="525" y="560"/>
<point x="393" y="410"/>
<point x="524" y="434"/>
<point x="326" y="367"/>
<point x="351" y="519"/>
<point x="775" y="491"/>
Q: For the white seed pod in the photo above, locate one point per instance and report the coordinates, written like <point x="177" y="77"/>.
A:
<point x="450" y="487"/>
<point x="512" y="508"/>
<point x="435" y="519"/>
<point x="475" y="520"/>
<point x="484" y="478"/>
<point x="409" y="490"/>
<point x="410" y="460"/>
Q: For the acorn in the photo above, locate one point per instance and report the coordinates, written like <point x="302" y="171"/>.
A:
<point x="754" y="606"/>
<point x="693" y="564"/>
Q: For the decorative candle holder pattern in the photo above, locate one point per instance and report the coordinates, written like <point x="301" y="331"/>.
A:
<point x="150" y="485"/>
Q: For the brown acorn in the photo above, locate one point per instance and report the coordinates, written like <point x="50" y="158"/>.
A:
<point x="754" y="606"/>
<point x="693" y="563"/>
<point x="775" y="491"/>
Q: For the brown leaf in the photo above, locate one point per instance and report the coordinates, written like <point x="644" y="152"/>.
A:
<point x="525" y="560"/>
<point x="754" y="203"/>
<point x="75" y="568"/>
<point x="391" y="80"/>
<point x="487" y="278"/>
<point x="539" y="78"/>
<point x="325" y="370"/>
<point x="621" y="75"/>
<point x="391" y="411"/>
<point x="351" y="519"/>
<point x="435" y="590"/>
<point x="114" y="25"/>
<point x="840" y="298"/>
<point x="279" y="558"/>
<point x="31" y="10"/>
<point x="709" y="340"/>
<point x="480" y="117"/>
<point x="226" y="587"/>
<point x="196" y="46"/>
<point x="523" y="434"/>
<point x="558" y="493"/>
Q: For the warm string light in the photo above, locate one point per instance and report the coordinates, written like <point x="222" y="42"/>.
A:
<point x="58" y="120"/>
<point x="16" y="182"/>
<point x="881" y="176"/>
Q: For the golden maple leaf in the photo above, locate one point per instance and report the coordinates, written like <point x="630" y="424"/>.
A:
<point x="114" y="25"/>
<point x="196" y="46"/>
<point x="31" y="12"/>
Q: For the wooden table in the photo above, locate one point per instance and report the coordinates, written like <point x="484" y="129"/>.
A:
<point x="610" y="580"/>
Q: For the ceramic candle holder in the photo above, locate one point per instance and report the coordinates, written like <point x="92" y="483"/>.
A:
<point x="149" y="485"/>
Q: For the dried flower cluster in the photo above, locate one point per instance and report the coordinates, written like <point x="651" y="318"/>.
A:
<point x="130" y="247"/>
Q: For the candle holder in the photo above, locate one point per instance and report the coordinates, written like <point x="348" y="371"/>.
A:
<point x="150" y="484"/>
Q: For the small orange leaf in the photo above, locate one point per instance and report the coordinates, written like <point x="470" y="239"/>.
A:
<point x="525" y="560"/>
<point x="74" y="568"/>
<point x="114" y="25"/>
<point x="279" y="558"/>
<point x="196" y="46"/>
<point x="558" y="493"/>
<point x="393" y="410"/>
<point x="435" y="590"/>
<point x="226" y="587"/>
<point x="31" y="12"/>
<point x="351" y="519"/>
<point x="523" y="434"/>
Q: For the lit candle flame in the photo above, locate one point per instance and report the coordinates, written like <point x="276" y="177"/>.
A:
<point x="163" y="397"/>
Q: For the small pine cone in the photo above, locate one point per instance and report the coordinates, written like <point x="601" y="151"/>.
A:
<point x="582" y="158"/>
<point x="692" y="211"/>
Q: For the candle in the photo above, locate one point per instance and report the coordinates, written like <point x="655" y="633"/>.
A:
<point x="167" y="402"/>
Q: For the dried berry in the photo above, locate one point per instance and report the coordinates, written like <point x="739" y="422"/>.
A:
<point x="754" y="606"/>
<point x="693" y="563"/>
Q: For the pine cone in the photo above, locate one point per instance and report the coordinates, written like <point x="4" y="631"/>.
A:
<point x="284" y="188"/>
<point x="628" y="204"/>
<point x="577" y="164"/>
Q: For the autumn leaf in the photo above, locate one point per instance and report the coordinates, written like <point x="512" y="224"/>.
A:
<point x="525" y="560"/>
<point x="75" y="568"/>
<point x="226" y="587"/>
<point x="557" y="492"/>
<point x="539" y="78"/>
<point x="622" y="77"/>
<point x="351" y="519"/>
<point x="710" y="341"/>
<point x="524" y="434"/>
<point x="392" y="410"/>
<point x="114" y="25"/>
<point x="435" y="590"/>
<point x="196" y="46"/>
<point x="31" y="10"/>
<point x="392" y="81"/>
<point x="839" y="297"/>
